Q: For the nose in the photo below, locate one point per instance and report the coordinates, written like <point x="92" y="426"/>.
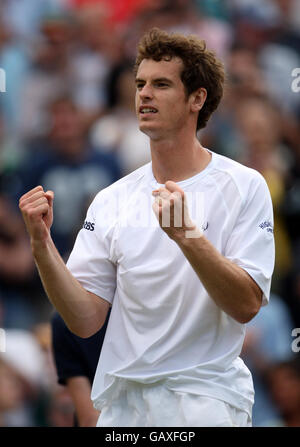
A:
<point x="146" y="92"/>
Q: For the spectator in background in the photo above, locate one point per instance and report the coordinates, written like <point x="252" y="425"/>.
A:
<point x="16" y="262"/>
<point x="64" y="160"/>
<point x="291" y="290"/>
<point x="263" y="26"/>
<point x="259" y="124"/>
<point x="267" y="341"/>
<point x="12" y="153"/>
<point x="61" y="408"/>
<point x="119" y="13"/>
<point x="21" y="295"/>
<point x="91" y="60"/>
<point x="289" y="11"/>
<point x="22" y="378"/>
<point x="17" y="270"/>
<point x="244" y="81"/>
<point x="76" y="361"/>
<point x="42" y="57"/>
<point x="283" y="380"/>
<point x="23" y="17"/>
<point x="246" y="78"/>
<point x="291" y="214"/>
<point x="49" y="75"/>
<point x="183" y="16"/>
<point x="118" y="130"/>
<point x="14" y="62"/>
<point x="217" y="8"/>
<point x="249" y="128"/>
<point x="11" y="392"/>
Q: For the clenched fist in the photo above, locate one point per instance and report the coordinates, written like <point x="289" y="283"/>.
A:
<point x="171" y="210"/>
<point x="37" y="210"/>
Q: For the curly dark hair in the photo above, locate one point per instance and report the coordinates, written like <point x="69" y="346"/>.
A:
<point x="201" y="68"/>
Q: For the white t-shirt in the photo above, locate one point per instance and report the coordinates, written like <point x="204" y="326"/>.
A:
<point x="163" y="324"/>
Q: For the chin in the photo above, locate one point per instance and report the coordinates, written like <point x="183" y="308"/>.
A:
<point x="146" y="129"/>
<point x="149" y="130"/>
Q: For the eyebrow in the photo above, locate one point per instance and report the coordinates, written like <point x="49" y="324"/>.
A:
<point x="155" y="80"/>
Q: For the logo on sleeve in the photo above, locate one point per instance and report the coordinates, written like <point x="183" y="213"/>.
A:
<point x="88" y="226"/>
<point x="204" y="226"/>
<point x="266" y="225"/>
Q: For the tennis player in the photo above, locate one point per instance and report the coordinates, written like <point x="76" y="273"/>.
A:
<point x="182" y="249"/>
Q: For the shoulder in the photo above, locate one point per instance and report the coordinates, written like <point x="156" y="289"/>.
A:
<point x="237" y="171"/>
<point x="246" y="181"/>
<point x="129" y="183"/>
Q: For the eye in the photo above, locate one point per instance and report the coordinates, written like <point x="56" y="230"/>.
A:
<point x="139" y="85"/>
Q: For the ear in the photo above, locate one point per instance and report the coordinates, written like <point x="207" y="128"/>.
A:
<point x="198" y="99"/>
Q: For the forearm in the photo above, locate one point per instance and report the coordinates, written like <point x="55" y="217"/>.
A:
<point x="84" y="313"/>
<point x="80" y="390"/>
<point x="232" y="289"/>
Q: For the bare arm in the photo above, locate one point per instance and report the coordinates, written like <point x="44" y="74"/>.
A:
<point x="232" y="289"/>
<point x="80" y="391"/>
<point x="83" y="312"/>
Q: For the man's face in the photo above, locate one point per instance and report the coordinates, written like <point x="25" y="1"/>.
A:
<point x="66" y="121"/>
<point x="162" y="106"/>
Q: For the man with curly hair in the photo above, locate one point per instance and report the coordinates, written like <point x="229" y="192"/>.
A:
<point x="182" y="249"/>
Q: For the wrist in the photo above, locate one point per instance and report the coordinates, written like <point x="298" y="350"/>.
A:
<point x="187" y="236"/>
<point x="39" y="245"/>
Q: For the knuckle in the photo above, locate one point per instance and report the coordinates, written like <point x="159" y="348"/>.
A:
<point x="30" y="212"/>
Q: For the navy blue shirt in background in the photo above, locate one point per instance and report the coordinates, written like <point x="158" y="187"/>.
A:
<point x="75" y="356"/>
<point x="74" y="182"/>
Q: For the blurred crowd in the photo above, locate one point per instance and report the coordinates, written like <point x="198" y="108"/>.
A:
<point x="67" y="122"/>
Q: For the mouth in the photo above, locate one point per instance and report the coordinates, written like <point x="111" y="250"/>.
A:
<point x="145" y="110"/>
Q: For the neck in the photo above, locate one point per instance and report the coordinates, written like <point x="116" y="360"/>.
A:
<point x="178" y="159"/>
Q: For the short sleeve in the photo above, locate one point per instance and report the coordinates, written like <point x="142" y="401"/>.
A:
<point x="251" y="242"/>
<point x="90" y="261"/>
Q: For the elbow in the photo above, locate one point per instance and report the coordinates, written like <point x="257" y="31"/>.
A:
<point x="84" y="331"/>
<point x="252" y="304"/>
<point x="248" y="314"/>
